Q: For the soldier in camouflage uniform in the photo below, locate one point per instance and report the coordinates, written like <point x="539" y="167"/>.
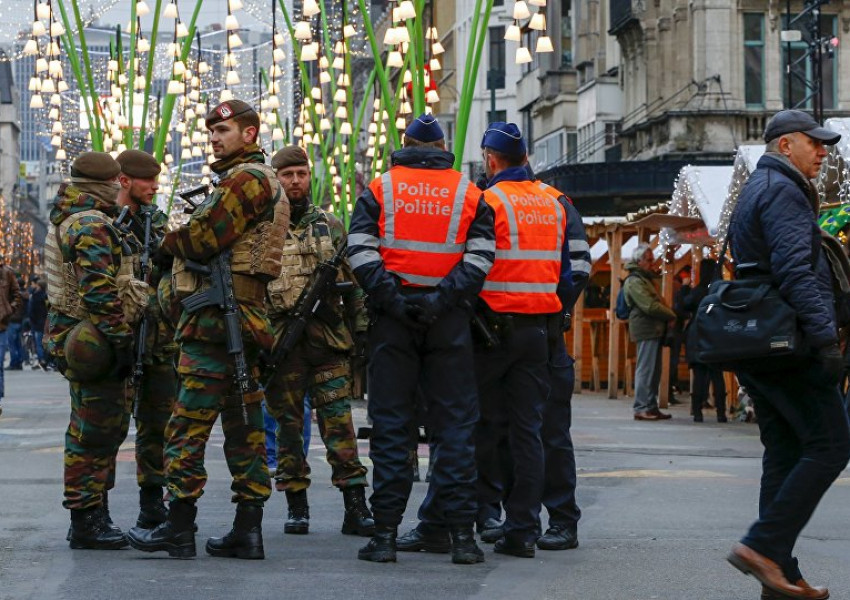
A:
<point x="246" y="214"/>
<point x="90" y="337"/>
<point x="320" y="362"/>
<point x="157" y="389"/>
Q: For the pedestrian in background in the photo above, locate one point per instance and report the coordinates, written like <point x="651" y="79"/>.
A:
<point x="17" y="353"/>
<point x="801" y="417"/>
<point x="37" y="315"/>
<point x="649" y="317"/>
<point x="10" y="299"/>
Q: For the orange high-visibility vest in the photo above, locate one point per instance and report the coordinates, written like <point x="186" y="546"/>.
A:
<point x="530" y="234"/>
<point x="552" y="191"/>
<point x="425" y="218"/>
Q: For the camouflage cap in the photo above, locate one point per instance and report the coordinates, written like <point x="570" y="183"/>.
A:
<point x="230" y="109"/>
<point x="135" y="163"/>
<point x="95" y="165"/>
<point x="290" y="156"/>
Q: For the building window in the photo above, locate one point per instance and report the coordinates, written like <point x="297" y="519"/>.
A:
<point x="529" y="40"/>
<point x="497" y="115"/>
<point x="528" y="127"/>
<point x="612" y="132"/>
<point x="497" y="59"/>
<point x="754" y="59"/>
<point x="566" y="33"/>
<point x="801" y="66"/>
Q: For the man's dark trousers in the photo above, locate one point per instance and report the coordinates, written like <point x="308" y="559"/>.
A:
<point x="804" y="430"/>
<point x="439" y="359"/>
<point x="559" y="488"/>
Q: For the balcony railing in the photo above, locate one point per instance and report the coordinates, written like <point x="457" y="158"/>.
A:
<point x="623" y="12"/>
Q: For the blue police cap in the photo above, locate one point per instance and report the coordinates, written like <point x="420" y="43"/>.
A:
<point x="505" y="138"/>
<point x="425" y="128"/>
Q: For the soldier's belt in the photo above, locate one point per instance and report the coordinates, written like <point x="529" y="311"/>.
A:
<point x="235" y="401"/>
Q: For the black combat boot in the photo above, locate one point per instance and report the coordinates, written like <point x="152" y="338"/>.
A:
<point x="245" y="540"/>
<point x="89" y="530"/>
<point x="152" y="511"/>
<point x="381" y="548"/>
<point x="107" y="517"/>
<point x="176" y="536"/>
<point x="358" y="519"/>
<point x="464" y="549"/>
<point x="299" y="513"/>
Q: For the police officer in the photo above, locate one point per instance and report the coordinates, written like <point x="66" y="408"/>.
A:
<point x="421" y="244"/>
<point x="320" y="362"/>
<point x="247" y="214"/>
<point x="90" y="337"/>
<point x="157" y="389"/>
<point x="521" y="300"/>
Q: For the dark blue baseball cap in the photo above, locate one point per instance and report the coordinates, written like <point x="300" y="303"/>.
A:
<point x="505" y="138"/>
<point x="425" y="128"/>
<point x="797" y="121"/>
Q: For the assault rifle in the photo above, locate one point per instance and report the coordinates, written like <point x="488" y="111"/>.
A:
<point x="308" y="304"/>
<point x="189" y="194"/>
<point x="142" y="328"/>
<point x="220" y="294"/>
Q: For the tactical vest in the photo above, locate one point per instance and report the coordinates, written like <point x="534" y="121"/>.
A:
<point x="63" y="287"/>
<point x="301" y="255"/>
<point x="256" y="254"/>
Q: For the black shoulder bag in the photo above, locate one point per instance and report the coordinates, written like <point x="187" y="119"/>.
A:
<point x="746" y="325"/>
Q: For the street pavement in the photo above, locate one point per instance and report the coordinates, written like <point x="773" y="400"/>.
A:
<point x="662" y="503"/>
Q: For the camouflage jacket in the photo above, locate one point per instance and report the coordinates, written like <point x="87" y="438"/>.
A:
<point x="94" y="247"/>
<point x="240" y="202"/>
<point x="349" y="307"/>
<point x="160" y="344"/>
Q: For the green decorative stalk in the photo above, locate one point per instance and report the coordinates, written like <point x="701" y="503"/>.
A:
<point x="131" y="76"/>
<point x="382" y="74"/>
<point x="478" y="35"/>
<point x="143" y="127"/>
<point x="170" y="99"/>
<point x="89" y="77"/>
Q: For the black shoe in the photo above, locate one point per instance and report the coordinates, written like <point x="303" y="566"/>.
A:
<point x="514" y="548"/>
<point x="430" y="540"/>
<point x="152" y="511"/>
<point x="698" y="418"/>
<point x="558" y="537"/>
<point x="358" y="519"/>
<point x="245" y="540"/>
<point x="298" y="521"/>
<point x="15" y="368"/>
<point x="176" y="536"/>
<point x="722" y="419"/>
<point x="491" y="530"/>
<point x="381" y="548"/>
<point x="91" y="531"/>
<point x="464" y="549"/>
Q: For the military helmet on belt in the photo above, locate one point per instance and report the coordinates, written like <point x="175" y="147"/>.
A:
<point x="88" y="353"/>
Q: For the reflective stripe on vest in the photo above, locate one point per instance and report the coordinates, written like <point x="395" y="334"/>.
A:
<point x="423" y="226"/>
<point x="524" y="279"/>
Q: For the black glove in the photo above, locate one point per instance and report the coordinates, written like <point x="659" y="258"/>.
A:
<point x="405" y="312"/>
<point x="124" y="361"/>
<point x="831" y="361"/>
<point x="432" y="305"/>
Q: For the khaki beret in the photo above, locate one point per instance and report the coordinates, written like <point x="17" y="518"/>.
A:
<point x="95" y="165"/>
<point x="290" y="156"/>
<point x="135" y="163"/>
<point x="230" y="109"/>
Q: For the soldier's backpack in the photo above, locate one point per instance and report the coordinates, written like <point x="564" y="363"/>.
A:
<point x="622" y="308"/>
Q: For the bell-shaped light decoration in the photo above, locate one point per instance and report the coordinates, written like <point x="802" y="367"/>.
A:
<point x="348" y="31"/>
<point x="278" y="55"/>
<point x="57" y="29"/>
<point x="340" y="96"/>
<point x="345" y="128"/>
<point x="402" y="35"/>
<point x="31" y="47"/>
<point x="341" y="113"/>
<point x="232" y="78"/>
<point x="279" y="40"/>
<point x="320" y="108"/>
<point x="143" y="46"/>
<point x="203" y="67"/>
<point x="544" y="44"/>
<point x="274" y="102"/>
<point x="522" y="55"/>
<point x="225" y="95"/>
<point x="57" y="127"/>
<point x="197" y="152"/>
<point x="538" y="22"/>
<point x="173" y="49"/>
<point x="513" y="34"/>
<point x="408" y="77"/>
<point x="309" y="52"/>
<point x="432" y="97"/>
<point x="179" y="68"/>
<point x="277" y="134"/>
<point x="231" y="23"/>
<point x="56" y="101"/>
<point x="437" y="48"/>
<point x="62" y="87"/>
<point x="400" y="123"/>
<point x="298" y="131"/>
<point x="521" y="10"/>
<point x="142" y="8"/>
<point x="308" y="139"/>
<point x="537" y="2"/>
<point x="316" y="93"/>
<point x="324" y="77"/>
<point x="42" y="11"/>
<point x="174" y="87"/>
<point x="229" y="60"/>
<point x="170" y="11"/>
<point x="310" y="8"/>
<point x="323" y="62"/>
<point x="390" y="37"/>
<point x="405" y="108"/>
<point x="185" y="154"/>
<point x="431" y="34"/>
<point x="395" y="60"/>
<point x="38" y="28"/>
<point x="373" y="127"/>
<point x="234" y="40"/>
<point x="343" y="80"/>
<point x="53" y="114"/>
<point x="41" y="65"/>
<point x="183" y="31"/>
<point x="48" y="87"/>
<point x="36" y="101"/>
<point x="56" y="141"/>
<point x="55" y="68"/>
<point x="235" y="5"/>
<point x="370" y="152"/>
<point x="406" y="10"/>
<point x="435" y="65"/>
<point x="338" y="63"/>
<point x="60" y="154"/>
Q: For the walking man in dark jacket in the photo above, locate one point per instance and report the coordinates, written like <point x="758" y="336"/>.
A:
<point x="801" y="417"/>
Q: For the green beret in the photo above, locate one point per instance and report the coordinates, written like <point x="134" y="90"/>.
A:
<point x="230" y="109"/>
<point x="95" y="165"/>
<point x="135" y="163"/>
<point x="290" y="156"/>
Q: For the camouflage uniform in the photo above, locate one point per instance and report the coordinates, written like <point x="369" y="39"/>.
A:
<point x="241" y="201"/>
<point x="319" y="365"/>
<point x="100" y="413"/>
<point x="158" y="388"/>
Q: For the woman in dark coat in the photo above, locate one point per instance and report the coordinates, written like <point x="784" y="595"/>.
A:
<point x="703" y="374"/>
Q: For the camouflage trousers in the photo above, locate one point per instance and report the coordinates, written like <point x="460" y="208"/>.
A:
<point x="207" y="390"/>
<point x="156" y="400"/>
<point x="100" y="418"/>
<point x="326" y="376"/>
